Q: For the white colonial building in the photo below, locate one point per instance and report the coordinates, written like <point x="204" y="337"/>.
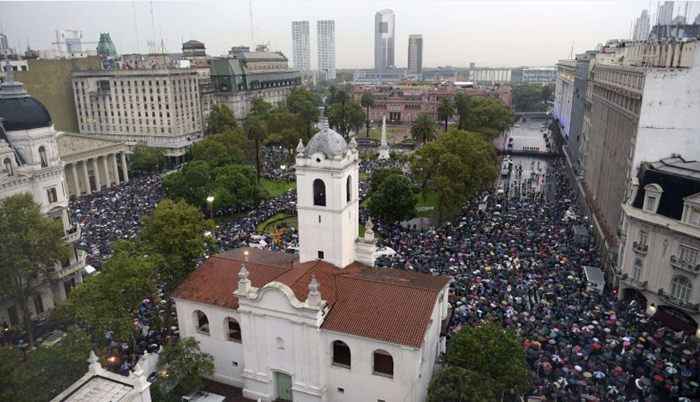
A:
<point x="661" y="242"/>
<point x="30" y="163"/>
<point x="324" y="325"/>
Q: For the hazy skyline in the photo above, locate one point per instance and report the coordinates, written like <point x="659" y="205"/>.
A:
<point x="455" y="32"/>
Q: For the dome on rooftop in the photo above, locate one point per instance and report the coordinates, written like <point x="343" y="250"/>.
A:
<point x="18" y="110"/>
<point x="328" y="142"/>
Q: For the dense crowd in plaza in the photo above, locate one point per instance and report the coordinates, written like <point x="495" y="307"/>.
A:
<point x="512" y="261"/>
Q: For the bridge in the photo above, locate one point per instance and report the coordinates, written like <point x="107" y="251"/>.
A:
<point x="529" y="152"/>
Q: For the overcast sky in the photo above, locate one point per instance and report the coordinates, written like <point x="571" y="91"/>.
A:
<point x="455" y="32"/>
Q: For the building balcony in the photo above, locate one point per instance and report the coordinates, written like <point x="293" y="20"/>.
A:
<point x="672" y="301"/>
<point x="684" y="266"/>
<point x="73" y="267"/>
<point x="72" y="234"/>
<point x="635" y="283"/>
<point x="640" y="248"/>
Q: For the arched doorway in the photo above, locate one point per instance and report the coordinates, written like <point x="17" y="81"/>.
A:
<point x="676" y="319"/>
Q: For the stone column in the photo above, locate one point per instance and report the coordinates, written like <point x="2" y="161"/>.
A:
<point x="76" y="180"/>
<point x="106" y="168"/>
<point x="86" y="176"/>
<point x="116" y="168"/>
<point x="124" y="168"/>
<point x="98" y="182"/>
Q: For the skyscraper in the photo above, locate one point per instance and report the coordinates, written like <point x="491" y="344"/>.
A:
<point x="415" y="54"/>
<point x="384" y="24"/>
<point x="665" y="13"/>
<point x="641" y="27"/>
<point x="326" y="49"/>
<point x="3" y="42"/>
<point x="301" y="45"/>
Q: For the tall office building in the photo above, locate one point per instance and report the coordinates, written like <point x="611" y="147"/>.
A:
<point x="384" y="24"/>
<point x="665" y="13"/>
<point x="641" y="27"/>
<point x="301" y="45"/>
<point x="4" y="45"/>
<point x="326" y="49"/>
<point x="415" y="54"/>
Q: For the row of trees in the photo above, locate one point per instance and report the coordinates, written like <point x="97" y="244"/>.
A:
<point x="532" y="97"/>
<point x="475" y="113"/>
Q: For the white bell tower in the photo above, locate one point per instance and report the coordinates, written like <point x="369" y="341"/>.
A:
<point x="327" y="173"/>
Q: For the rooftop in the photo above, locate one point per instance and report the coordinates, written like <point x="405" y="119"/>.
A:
<point x="677" y="177"/>
<point x="70" y="144"/>
<point x="363" y="301"/>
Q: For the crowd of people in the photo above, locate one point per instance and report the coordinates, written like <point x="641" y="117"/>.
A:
<point x="515" y="262"/>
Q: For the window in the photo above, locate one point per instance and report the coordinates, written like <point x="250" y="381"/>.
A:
<point x="681" y="288"/>
<point x="51" y="195"/>
<point x="7" y="163"/>
<point x="202" y="322"/>
<point x="348" y="189"/>
<point x="689" y="255"/>
<point x="652" y="196"/>
<point x="319" y="193"/>
<point x="651" y="203"/>
<point x="341" y="354"/>
<point x="320" y="254"/>
<point x="643" y="238"/>
<point x="637" y="269"/>
<point x="383" y="363"/>
<point x="234" y="330"/>
<point x="42" y="157"/>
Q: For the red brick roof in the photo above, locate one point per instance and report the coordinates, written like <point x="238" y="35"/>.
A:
<point x="384" y="304"/>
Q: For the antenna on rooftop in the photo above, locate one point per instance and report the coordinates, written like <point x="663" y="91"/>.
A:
<point x="571" y="53"/>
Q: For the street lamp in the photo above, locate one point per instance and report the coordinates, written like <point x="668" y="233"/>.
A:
<point x="210" y="202"/>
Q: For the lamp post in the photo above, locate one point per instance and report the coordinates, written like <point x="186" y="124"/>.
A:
<point x="210" y="205"/>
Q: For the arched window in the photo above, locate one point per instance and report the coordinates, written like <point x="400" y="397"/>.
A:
<point x="233" y="329"/>
<point x="348" y="189"/>
<point x="681" y="288"/>
<point x="319" y="193"/>
<point x="42" y="157"/>
<point x="202" y="322"/>
<point x="7" y="163"/>
<point x="341" y="354"/>
<point x="383" y="363"/>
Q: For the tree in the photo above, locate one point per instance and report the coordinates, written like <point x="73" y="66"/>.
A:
<point x="394" y="200"/>
<point x="176" y="230"/>
<point x="256" y="130"/>
<point x="344" y="116"/>
<point x="445" y="111"/>
<point x="367" y="101"/>
<point x="193" y="183"/>
<point x="221" y="149"/>
<point x="288" y="138"/>
<point x="489" y="115"/>
<point x="185" y="366"/>
<point x="548" y="92"/>
<point x="455" y="167"/>
<point x="462" y="109"/>
<point x="380" y="175"/>
<point x="221" y="120"/>
<point x="423" y="129"/>
<point x="304" y="104"/>
<point x="147" y="160"/>
<point x="493" y="352"/>
<point x="261" y="108"/>
<point x="31" y="247"/>
<point x="236" y="187"/>
<point x="109" y="301"/>
<point x="455" y="384"/>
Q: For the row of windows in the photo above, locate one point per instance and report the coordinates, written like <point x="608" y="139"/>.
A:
<point x="382" y="361"/>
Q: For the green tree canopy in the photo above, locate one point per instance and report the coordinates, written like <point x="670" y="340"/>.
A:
<point x="236" y="187"/>
<point x="367" y="102"/>
<point x="109" y="301"/>
<point x="455" y="166"/>
<point x="345" y="116"/>
<point x="147" y="160"/>
<point x="177" y="231"/>
<point x="462" y="108"/>
<point x="488" y="115"/>
<point x="456" y="384"/>
<point x="379" y="175"/>
<point x="194" y="183"/>
<point x="493" y="352"/>
<point x="305" y="105"/>
<point x="255" y="127"/>
<point x="423" y="128"/>
<point x="31" y="247"/>
<point x="221" y="149"/>
<point x="394" y="200"/>
<point x="186" y="367"/>
<point x="445" y="110"/>
<point x="221" y="120"/>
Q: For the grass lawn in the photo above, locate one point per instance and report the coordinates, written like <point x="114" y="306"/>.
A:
<point x="426" y="205"/>
<point x="393" y="134"/>
<point x="275" y="187"/>
<point x="269" y="225"/>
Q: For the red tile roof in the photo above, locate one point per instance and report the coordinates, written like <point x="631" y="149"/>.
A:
<point x="384" y="304"/>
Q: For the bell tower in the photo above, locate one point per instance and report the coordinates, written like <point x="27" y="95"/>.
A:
<point x="327" y="173"/>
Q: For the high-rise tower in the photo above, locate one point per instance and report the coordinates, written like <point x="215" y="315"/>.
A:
<point x="415" y="54"/>
<point x="665" y="13"/>
<point x="326" y="49"/>
<point x="301" y="45"/>
<point x="641" y="27"/>
<point x="384" y="25"/>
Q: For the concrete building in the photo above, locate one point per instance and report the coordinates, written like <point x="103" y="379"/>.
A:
<point x="642" y="109"/>
<point x="5" y="50"/>
<point x="301" y="46"/>
<point x="91" y="164"/>
<point x="326" y="49"/>
<point x="564" y="96"/>
<point x="415" y="54"/>
<point x="488" y="75"/>
<point x="384" y="40"/>
<point x="641" y="27"/>
<point x="664" y="14"/>
<point x="660" y="242"/>
<point x="238" y="80"/>
<point x="30" y="163"/>
<point x="156" y="108"/>
<point x="320" y="326"/>
<point x="533" y="75"/>
<point x="574" y="145"/>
